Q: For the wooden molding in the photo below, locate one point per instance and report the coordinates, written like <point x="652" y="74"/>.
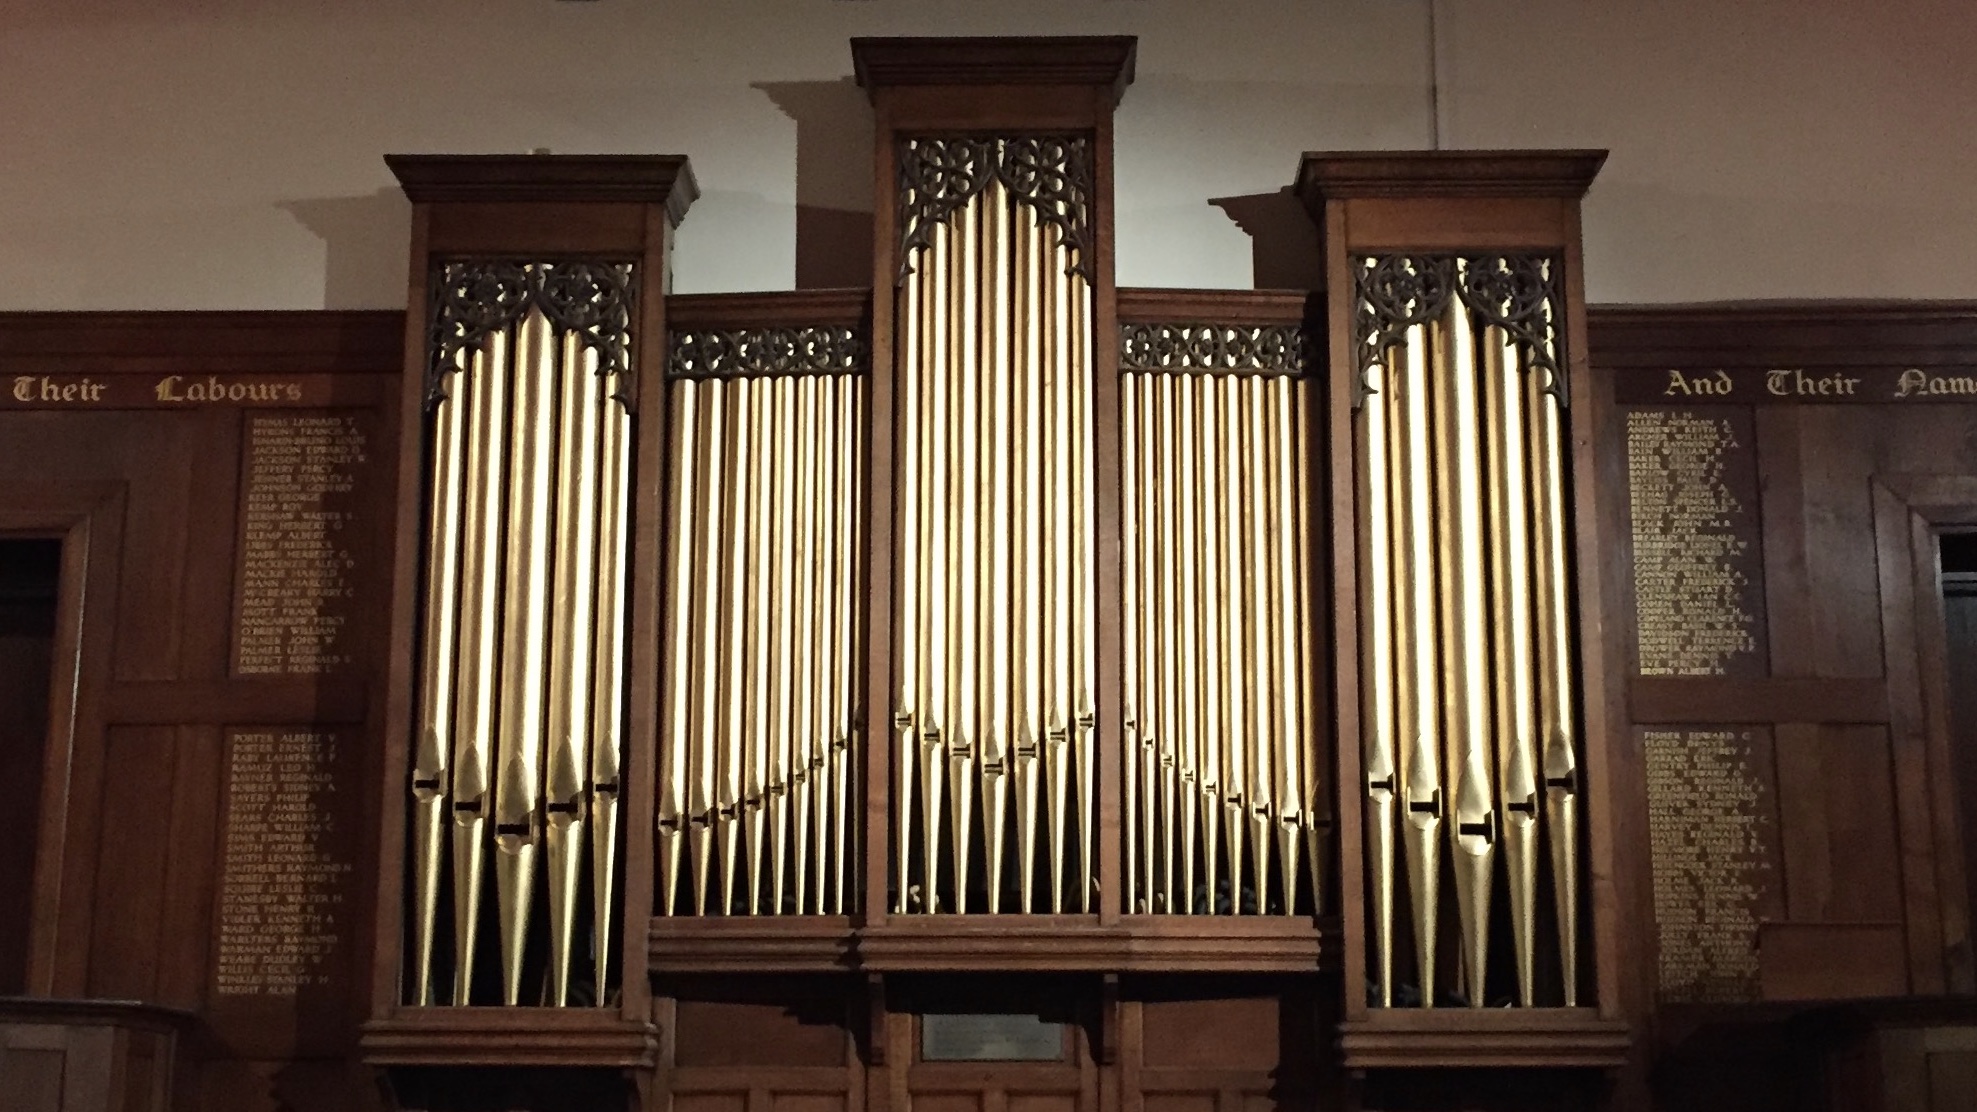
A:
<point x="1139" y="305"/>
<point x="1087" y="60"/>
<point x="1414" y="1038"/>
<point x="662" y="179"/>
<point x="566" y="1037"/>
<point x="1343" y="175"/>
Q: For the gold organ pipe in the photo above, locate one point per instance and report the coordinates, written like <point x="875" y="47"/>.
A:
<point x="1510" y="605"/>
<point x="1155" y="640"/>
<point x="1462" y="542"/>
<point x="1186" y="547"/>
<point x="995" y="642"/>
<point x="705" y="666"/>
<point x="756" y="785"/>
<point x="607" y="671"/>
<point x="937" y="507"/>
<point x="964" y="556"/>
<point x="1236" y="736"/>
<point x="431" y="760"/>
<point x="674" y="817"/>
<point x="782" y="661"/>
<point x="1296" y="795"/>
<point x="731" y="805"/>
<point x="824" y="666"/>
<point x="912" y="543"/>
<point x="1057" y="713"/>
<point x="1556" y="685"/>
<point x="480" y="633"/>
<point x="1212" y="580"/>
<point x="1171" y="559"/>
<point x="1131" y="640"/>
<point x="1032" y="254"/>
<point x="525" y="628"/>
<point x="1262" y="804"/>
<point x="799" y="546"/>
<point x="570" y="653"/>
<point x="1086" y="714"/>
<point x="851" y="447"/>
<point x="1417" y="703"/>
<point x="1377" y="610"/>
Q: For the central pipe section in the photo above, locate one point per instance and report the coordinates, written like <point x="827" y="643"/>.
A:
<point x="993" y="762"/>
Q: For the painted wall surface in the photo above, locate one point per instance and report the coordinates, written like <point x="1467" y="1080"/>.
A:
<point x="178" y="154"/>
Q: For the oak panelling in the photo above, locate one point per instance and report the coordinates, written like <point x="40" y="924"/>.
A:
<point x="1838" y="832"/>
<point x="143" y="481"/>
<point x="129" y="884"/>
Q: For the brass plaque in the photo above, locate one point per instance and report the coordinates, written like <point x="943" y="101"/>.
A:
<point x="287" y="864"/>
<point x="1698" y="573"/>
<point x="299" y="549"/>
<point x="990" y="1037"/>
<point x="1712" y="834"/>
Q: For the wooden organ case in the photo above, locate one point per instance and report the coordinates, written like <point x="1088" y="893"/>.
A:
<point x="991" y="690"/>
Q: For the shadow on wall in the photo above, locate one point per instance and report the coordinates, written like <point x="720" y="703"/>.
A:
<point x="366" y="242"/>
<point x="1283" y="239"/>
<point x="833" y="179"/>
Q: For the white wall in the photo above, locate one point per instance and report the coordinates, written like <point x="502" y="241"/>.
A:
<point x="225" y="153"/>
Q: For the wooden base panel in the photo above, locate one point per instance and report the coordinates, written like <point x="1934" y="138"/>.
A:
<point x="1497" y="1037"/>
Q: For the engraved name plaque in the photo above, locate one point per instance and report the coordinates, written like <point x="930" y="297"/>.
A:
<point x="1711" y="830"/>
<point x="287" y="864"/>
<point x="1698" y="576"/>
<point x="299" y="547"/>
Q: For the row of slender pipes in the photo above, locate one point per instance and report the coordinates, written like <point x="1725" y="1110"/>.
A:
<point x="993" y="762"/>
<point x="1224" y="792"/>
<point x="1467" y="686"/>
<point x="758" y="745"/>
<point x="518" y="743"/>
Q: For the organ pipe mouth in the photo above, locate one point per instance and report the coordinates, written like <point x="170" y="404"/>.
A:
<point x="1468" y="691"/>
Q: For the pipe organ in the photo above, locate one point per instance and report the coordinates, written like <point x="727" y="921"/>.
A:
<point x="987" y="689"/>
<point x="989" y="642"/>
<point x="1472" y="720"/>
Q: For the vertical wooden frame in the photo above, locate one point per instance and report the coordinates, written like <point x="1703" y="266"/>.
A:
<point x="998" y="87"/>
<point x="88" y="520"/>
<point x="1456" y="202"/>
<point x="1910" y="513"/>
<point x="533" y="208"/>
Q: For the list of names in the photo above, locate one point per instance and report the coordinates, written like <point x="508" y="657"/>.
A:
<point x="1710" y="834"/>
<point x="286" y="865"/>
<point x="298" y="548"/>
<point x="1695" y="569"/>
